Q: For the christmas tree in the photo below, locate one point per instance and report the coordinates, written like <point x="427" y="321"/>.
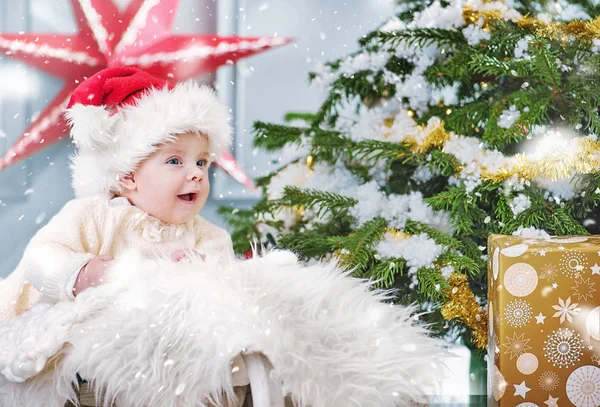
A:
<point x="452" y="121"/>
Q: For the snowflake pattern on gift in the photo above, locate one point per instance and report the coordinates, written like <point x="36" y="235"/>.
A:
<point x="583" y="386"/>
<point x="563" y="347"/>
<point x="518" y="313"/>
<point x="516" y="346"/>
<point x="583" y="289"/>
<point x="520" y="279"/>
<point x="572" y="263"/>
<point x="549" y="381"/>
<point x="539" y="252"/>
<point x="511" y="241"/>
<point x="527" y="363"/>
<point x="549" y="272"/>
<point x="566" y="310"/>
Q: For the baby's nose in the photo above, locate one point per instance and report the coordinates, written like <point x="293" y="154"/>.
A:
<point x="196" y="174"/>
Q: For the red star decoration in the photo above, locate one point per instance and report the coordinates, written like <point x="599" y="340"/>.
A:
<point x="140" y="36"/>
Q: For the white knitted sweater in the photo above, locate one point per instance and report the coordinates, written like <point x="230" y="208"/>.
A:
<point x="89" y="227"/>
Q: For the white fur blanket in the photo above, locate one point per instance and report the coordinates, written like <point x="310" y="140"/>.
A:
<point x="162" y="334"/>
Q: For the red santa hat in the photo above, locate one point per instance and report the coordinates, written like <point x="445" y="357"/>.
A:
<point x="122" y="115"/>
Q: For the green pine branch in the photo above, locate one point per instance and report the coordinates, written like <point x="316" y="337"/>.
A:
<point x="422" y="37"/>
<point x="455" y="68"/>
<point x="358" y="252"/>
<point x="322" y="201"/>
<point x="463" y="264"/>
<point x="563" y="222"/>
<point x="446" y="163"/>
<point x="308" y="118"/>
<point x="273" y="137"/>
<point x="431" y="283"/>
<point x="309" y="244"/>
<point x="465" y="214"/>
<point x="242" y="222"/>
<point x="367" y="85"/>
<point x="375" y="150"/>
<point x="585" y="101"/>
<point x="544" y="64"/>
<point x="385" y="273"/>
<point x="489" y="65"/>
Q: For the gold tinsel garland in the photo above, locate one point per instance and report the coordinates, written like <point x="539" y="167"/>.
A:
<point x="584" y="30"/>
<point x="436" y="138"/>
<point x="580" y="158"/>
<point x="472" y="16"/>
<point x="462" y="306"/>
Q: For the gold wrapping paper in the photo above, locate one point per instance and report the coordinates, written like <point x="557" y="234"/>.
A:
<point x="544" y="321"/>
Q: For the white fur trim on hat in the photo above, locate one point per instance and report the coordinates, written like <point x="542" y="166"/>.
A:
<point x="112" y="146"/>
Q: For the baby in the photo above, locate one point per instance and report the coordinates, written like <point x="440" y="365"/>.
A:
<point x="172" y="186"/>
<point x="311" y="333"/>
<point x="140" y="177"/>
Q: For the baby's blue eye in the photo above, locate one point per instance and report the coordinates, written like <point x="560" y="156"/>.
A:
<point x="201" y="163"/>
<point x="174" y="161"/>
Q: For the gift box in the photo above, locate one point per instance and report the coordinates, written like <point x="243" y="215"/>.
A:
<point x="544" y="321"/>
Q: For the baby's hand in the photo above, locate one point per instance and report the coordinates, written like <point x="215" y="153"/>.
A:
<point x="92" y="274"/>
<point x="178" y="255"/>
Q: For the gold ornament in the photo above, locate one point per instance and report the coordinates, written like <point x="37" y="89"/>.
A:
<point x="310" y="160"/>
<point x="388" y="122"/>
<point x="396" y="234"/>
<point x="299" y="213"/>
<point x="462" y="306"/>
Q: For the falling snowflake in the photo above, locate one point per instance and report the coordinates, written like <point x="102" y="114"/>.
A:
<point x="516" y="346"/>
<point x="566" y="310"/>
<point x="518" y="313"/>
<point x="563" y="347"/>
<point x="549" y="381"/>
<point x="549" y="272"/>
<point x="583" y="289"/>
<point x="572" y="263"/>
<point x="40" y="218"/>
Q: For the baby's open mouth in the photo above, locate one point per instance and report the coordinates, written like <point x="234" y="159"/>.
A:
<point x="188" y="198"/>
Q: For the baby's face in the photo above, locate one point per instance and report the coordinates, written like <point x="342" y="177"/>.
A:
<point x="172" y="184"/>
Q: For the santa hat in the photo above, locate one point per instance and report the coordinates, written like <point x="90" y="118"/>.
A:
<point x="122" y="115"/>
